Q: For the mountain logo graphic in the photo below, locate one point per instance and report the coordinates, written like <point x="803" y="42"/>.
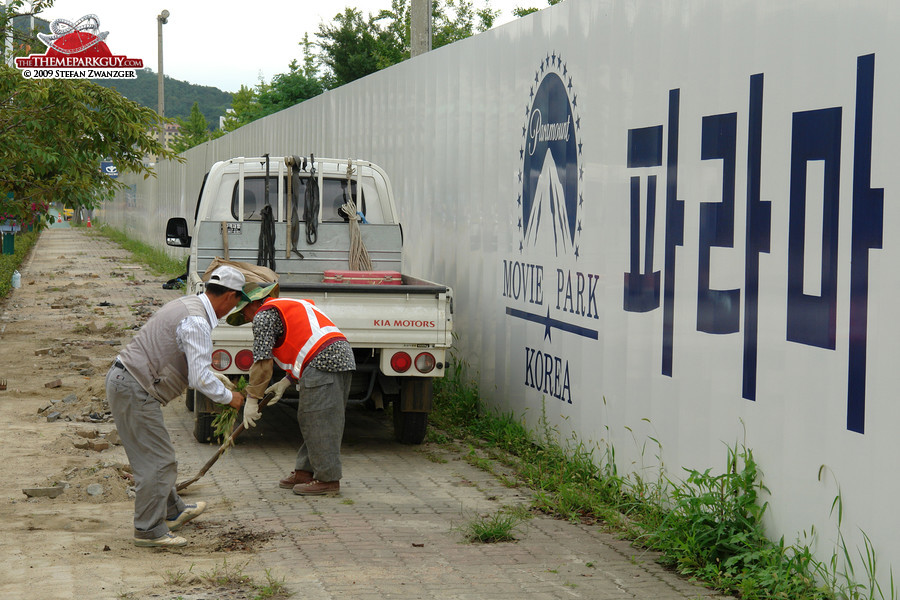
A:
<point x="550" y="198"/>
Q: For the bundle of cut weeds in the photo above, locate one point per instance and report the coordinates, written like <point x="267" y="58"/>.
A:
<point x="224" y="422"/>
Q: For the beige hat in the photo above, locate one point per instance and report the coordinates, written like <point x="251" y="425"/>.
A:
<point x="228" y="277"/>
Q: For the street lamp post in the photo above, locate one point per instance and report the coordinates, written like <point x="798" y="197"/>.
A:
<point x="161" y="19"/>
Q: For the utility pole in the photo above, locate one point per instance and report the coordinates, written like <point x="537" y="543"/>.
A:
<point x="419" y="27"/>
<point x="161" y="19"/>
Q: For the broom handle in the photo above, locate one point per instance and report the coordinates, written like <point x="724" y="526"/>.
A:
<point x="236" y="432"/>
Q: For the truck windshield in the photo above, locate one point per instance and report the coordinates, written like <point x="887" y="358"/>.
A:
<point x="334" y="196"/>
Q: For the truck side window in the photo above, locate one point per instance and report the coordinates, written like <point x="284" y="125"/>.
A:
<point x="254" y="197"/>
<point x="335" y="195"/>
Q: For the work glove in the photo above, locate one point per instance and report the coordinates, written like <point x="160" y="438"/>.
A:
<point x="224" y="379"/>
<point x="251" y="412"/>
<point x="278" y="389"/>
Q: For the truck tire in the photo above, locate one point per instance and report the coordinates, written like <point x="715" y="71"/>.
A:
<point x="409" y="427"/>
<point x="204" y="415"/>
<point x="411" y="409"/>
<point x="203" y="428"/>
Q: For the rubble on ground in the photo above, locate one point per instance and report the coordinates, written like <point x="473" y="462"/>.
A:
<point x="98" y="483"/>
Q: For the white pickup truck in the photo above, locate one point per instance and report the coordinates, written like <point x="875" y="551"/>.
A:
<point x="399" y="329"/>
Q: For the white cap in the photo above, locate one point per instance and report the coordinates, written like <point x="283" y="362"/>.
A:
<point x="228" y="277"/>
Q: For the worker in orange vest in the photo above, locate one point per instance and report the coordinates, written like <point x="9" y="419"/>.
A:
<point x="318" y="360"/>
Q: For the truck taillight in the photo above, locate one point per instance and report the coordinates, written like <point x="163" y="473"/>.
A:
<point x="400" y="362"/>
<point x="244" y="360"/>
<point x="425" y="362"/>
<point x="221" y="360"/>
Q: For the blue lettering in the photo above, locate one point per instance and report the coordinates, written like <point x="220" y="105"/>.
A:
<point x="641" y="293"/>
<point x="759" y="226"/>
<point x="548" y="374"/>
<point x="867" y="230"/>
<point x="718" y="311"/>
<point x="523" y="281"/>
<point x="674" y="232"/>
<point x="811" y="319"/>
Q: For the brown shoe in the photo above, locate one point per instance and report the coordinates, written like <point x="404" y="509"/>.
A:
<point x="318" y="488"/>
<point x="296" y="477"/>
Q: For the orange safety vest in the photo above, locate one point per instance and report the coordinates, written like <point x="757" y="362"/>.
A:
<point x="306" y="331"/>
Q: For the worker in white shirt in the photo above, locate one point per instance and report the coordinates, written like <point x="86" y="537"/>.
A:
<point x="171" y="351"/>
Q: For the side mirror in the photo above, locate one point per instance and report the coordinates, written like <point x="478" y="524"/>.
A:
<point x="177" y="233"/>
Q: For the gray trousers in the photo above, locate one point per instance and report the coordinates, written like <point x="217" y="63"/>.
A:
<point x="146" y="440"/>
<point x="320" y="413"/>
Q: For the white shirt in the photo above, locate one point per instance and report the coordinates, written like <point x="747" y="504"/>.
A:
<point x="194" y="337"/>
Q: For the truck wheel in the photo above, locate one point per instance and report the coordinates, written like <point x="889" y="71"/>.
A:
<point x="409" y="427"/>
<point x="189" y="400"/>
<point x="203" y="428"/>
<point x="203" y="419"/>
<point x="415" y="396"/>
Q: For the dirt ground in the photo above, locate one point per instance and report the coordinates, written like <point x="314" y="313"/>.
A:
<point x="59" y="333"/>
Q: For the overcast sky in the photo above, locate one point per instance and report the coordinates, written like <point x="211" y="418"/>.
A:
<point x="223" y="43"/>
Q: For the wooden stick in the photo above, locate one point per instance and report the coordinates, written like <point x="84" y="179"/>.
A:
<point x="229" y="442"/>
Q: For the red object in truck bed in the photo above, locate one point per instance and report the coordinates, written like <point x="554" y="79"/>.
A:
<point x="362" y="277"/>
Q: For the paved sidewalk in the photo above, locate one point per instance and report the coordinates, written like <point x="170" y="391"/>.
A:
<point x="392" y="533"/>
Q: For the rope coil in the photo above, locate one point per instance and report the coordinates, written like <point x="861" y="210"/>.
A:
<point x="359" y="257"/>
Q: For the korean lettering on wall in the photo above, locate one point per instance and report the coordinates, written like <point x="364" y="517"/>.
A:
<point x="811" y="318"/>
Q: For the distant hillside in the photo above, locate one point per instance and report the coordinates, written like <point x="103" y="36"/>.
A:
<point x="180" y="95"/>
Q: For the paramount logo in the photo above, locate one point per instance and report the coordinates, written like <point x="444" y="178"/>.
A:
<point x="550" y="132"/>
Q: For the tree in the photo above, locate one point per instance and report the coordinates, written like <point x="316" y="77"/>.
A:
<point x="300" y="83"/>
<point x="192" y="132"/>
<point x="353" y="47"/>
<point x="350" y="47"/>
<point x="521" y="12"/>
<point x="244" y="108"/>
<point x="54" y="134"/>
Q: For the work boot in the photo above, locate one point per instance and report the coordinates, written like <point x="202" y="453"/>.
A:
<point x="169" y="540"/>
<point x="318" y="488"/>
<point x="190" y="512"/>
<point x="296" y="477"/>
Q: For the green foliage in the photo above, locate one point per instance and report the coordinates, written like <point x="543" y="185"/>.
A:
<point x="180" y="95"/>
<point x="193" y="132"/>
<point x="350" y="47"/>
<point x="709" y="526"/>
<point x="54" y="134"/>
<point x="158" y="261"/>
<point x="11" y="262"/>
<point x="492" y="528"/>
<point x="300" y="83"/>
<point x="521" y="12"/>
<point x="354" y="46"/>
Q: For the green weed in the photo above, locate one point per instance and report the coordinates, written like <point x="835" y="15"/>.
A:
<point x="497" y="527"/>
<point x="11" y="262"/>
<point x="708" y="526"/>
<point x="227" y="575"/>
<point x="272" y="589"/>
<point x="156" y="260"/>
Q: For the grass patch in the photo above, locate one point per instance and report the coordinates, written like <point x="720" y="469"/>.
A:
<point x="154" y="259"/>
<point x="10" y="263"/>
<point x="492" y="528"/>
<point x="229" y="577"/>
<point x="708" y="526"/>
